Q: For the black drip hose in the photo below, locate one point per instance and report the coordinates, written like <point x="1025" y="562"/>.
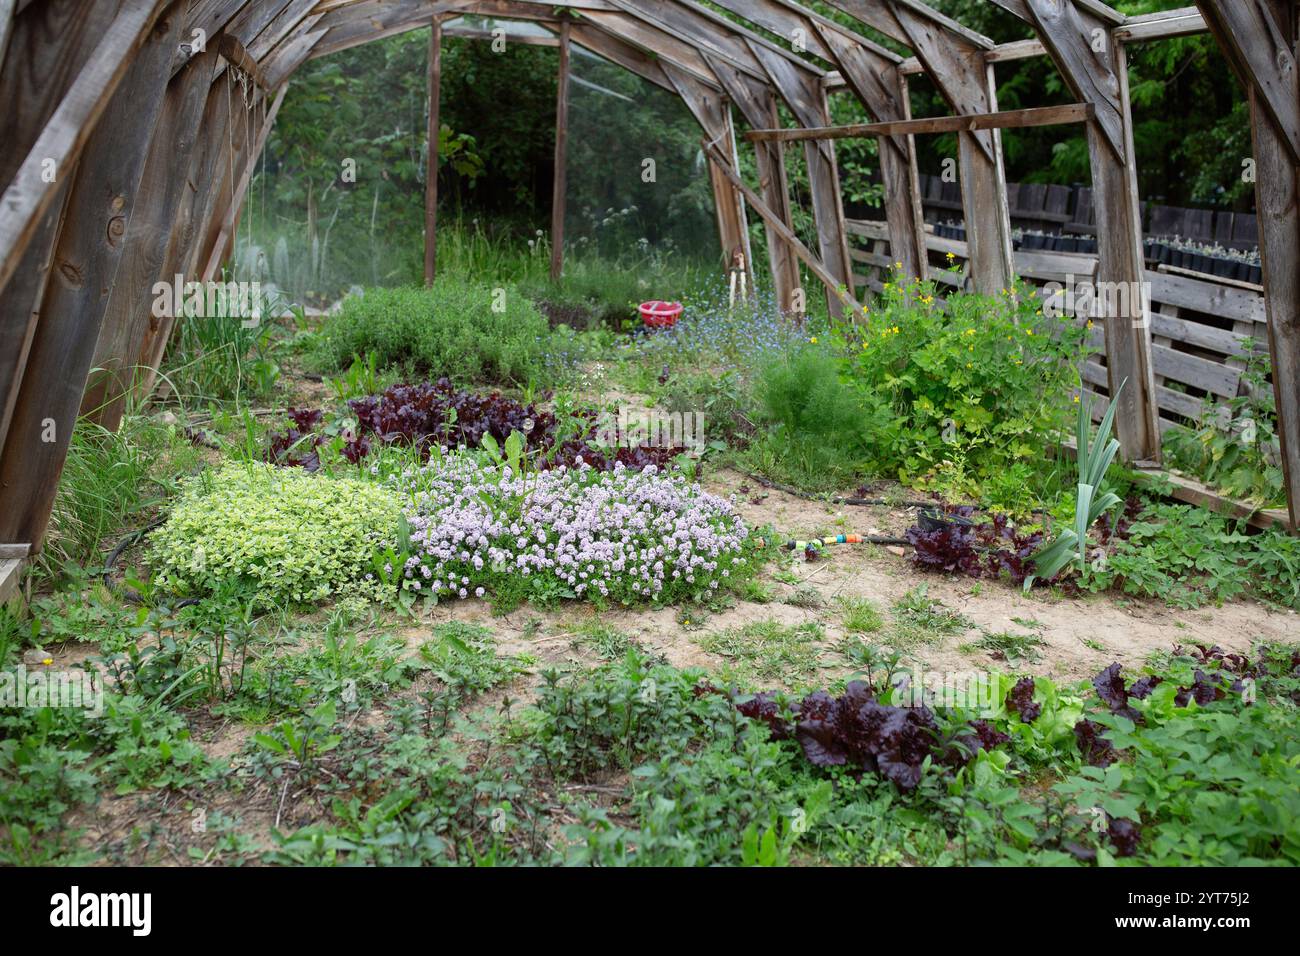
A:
<point x="131" y="539"/>
<point x="894" y="503"/>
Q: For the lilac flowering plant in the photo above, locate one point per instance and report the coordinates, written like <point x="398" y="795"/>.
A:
<point x="608" y="536"/>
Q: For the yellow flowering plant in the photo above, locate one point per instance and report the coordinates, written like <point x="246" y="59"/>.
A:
<point x="980" y="380"/>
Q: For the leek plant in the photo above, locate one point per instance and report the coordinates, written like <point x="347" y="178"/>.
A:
<point x="1071" y="544"/>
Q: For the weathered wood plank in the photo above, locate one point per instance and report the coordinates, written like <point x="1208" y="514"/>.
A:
<point x="86" y="259"/>
<point x="30" y="192"/>
<point x="162" y="187"/>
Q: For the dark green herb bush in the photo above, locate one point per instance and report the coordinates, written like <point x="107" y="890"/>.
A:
<point x="470" y="332"/>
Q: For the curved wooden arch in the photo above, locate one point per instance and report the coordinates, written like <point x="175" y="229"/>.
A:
<point x="118" y="166"/>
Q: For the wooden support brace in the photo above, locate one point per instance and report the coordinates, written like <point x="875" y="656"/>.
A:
<point x="1006" y="119"/>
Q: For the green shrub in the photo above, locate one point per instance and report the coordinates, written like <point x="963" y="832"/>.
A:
<point x="468" y="331"/>
<point x="977" y="386"/>
<point x="819" y="430"/>
<point x="292" y="535"/>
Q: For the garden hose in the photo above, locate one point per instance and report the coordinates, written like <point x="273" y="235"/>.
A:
<point x="815" y="543"/>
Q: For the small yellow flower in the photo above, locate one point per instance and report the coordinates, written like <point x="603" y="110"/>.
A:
<point x="895" y="330"/>
<point x="813" y="340"/>
<point x="1089" y="325"/>
<point x="1076" y="399"/>
<point x="951" y="257"/>
<point x="47" y="661"/>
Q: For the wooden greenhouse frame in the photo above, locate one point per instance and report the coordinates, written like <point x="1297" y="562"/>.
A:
<point x="131" y="129"/>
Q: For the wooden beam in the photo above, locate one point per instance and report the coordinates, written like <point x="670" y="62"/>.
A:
<point x="782" y="230"/>
<point x="559" y="184"/>
<point x="235" y="54"/>
<point x="30" y="193"/>
<point x="85" y="264"/>
<point x="1005" y="119"/>
<point x="1164" y="25"/>
<point x="433" y="137"/>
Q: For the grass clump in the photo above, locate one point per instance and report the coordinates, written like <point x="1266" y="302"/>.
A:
<point x="861" y="616"/>
<point x="292" y="536"/>
<point x="1008" y="646"/>
<point x="468" y="331"/>
<point x="765" y="652"/>
<point x="921" y="619"/>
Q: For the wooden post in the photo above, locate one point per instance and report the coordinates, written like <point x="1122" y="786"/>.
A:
<point x="733" y="228"/>
<point x="1093" y="64"/>
<point x="758" y="105"/>
<point x="559" y="186"/>
<point x="434" y="138"/>
<point x="807" y="100"/>
<point x="1121" y="264"/>
<point x="86" y="257"/>
<point x="1259" y="38"/>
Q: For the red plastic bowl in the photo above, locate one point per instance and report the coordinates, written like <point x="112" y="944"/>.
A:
<point x="660" y="315"/>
